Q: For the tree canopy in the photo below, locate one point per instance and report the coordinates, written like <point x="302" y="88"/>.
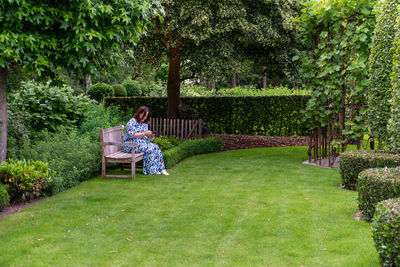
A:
<point x="208" y="38"/>
<point x="81" y="36"/>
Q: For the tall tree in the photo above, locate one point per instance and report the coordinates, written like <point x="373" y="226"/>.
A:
<point x="203" y="37"/>
<point x="81" y="36"/>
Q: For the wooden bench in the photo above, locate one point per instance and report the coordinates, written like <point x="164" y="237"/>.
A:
<point x="111" y="151"/>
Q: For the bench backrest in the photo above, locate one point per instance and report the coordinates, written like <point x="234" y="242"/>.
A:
<point x="113" y="134"/>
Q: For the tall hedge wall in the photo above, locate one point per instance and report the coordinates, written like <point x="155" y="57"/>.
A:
<point x="381" y="60"/>
<point x="394" y="122"/>
<point x="253" y="115"/>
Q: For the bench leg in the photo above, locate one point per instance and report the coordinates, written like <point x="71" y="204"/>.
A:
<point x="133" y="169"/>
<point x="103" y="168"/>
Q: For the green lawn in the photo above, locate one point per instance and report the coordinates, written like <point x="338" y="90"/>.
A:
<point x="246" y="207"/>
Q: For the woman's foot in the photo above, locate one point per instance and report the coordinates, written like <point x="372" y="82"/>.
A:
<point x="164" y="172"/>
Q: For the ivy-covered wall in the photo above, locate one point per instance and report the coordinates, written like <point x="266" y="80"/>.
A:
<point x="381" y="65"/>
<point x="253" y="115"/>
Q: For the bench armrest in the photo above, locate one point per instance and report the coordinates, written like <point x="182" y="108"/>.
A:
<point x="129" y="144"/>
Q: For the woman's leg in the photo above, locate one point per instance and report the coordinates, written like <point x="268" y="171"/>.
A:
<point x="153" y="162"/>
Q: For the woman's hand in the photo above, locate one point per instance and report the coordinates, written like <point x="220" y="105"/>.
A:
<point x="148" y="134"/>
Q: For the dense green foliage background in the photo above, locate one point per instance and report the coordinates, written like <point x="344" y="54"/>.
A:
<point x="254" y="115"/>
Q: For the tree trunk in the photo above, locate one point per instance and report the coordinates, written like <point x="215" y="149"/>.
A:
<point x="3" y="114"/>
<point x="234" y="80"/>
<point x="174" y="83"/>
<point x="88" y="82"/>
<point x="264" y="78"/>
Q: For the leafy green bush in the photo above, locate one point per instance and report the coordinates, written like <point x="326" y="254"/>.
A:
<point x="386" y="229"/>
<point x="98" y="117"/>
<point x="354" y="162"/>
<point x="73" y="156"/>
<point x="4" y="197"/>
<point x="99" y="91"/>
<point x="18" y="133"/>
<point x="253" y="91"/>
<point x="46" y="106"/>
<point x="190" y="148"/>
<point x="156" y="89"/>
<point x="375" y="185"/>
<point x="133" y="88"/>
<point x="26" y="179"/>
<point x="165" y="143"/>
<point x="119" y="90"/>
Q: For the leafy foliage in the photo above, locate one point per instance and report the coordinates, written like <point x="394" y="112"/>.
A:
<point x="354" y="162"/>
<point x="74" y="157"/>
<point x="252" y="91"/>
<point x="26" y="179"/>
<point x="376" y="185"/>
<point x="381" y="65"/>
<point x="190" y="148"/>
<point x="133" y="88"/>
<point x="4" y="197"/>
<point x="262" y="115"/>
<point x="46" y="106"/>
<point x="81" y="36"/>
<point x="338" y="35"/>
<point x="100" y="90"/>
<point x="99" y="117"/>
<point x="213" y="38"/>
<point x="119" y="90"/>
<point x="394" y="122"/>
<point x="165" y="143"/>
<point x="386" y="229"/>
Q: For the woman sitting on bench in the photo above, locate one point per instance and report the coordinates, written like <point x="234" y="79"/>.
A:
<point x="137" y="131"/>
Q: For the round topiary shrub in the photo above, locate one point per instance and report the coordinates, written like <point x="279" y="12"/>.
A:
<point x="133" y="88"/>
<point x="119" y="90"/>
<point x="375" y="185"/>
<point x="4" y="197"/>
<point x="100" y="90"/>
<point x="386" y="231"/>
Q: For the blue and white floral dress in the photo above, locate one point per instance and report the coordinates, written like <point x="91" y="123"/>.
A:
<point x="153" y="161"/>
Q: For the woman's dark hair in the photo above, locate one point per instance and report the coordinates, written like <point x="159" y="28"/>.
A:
<point x="142" y="110"/>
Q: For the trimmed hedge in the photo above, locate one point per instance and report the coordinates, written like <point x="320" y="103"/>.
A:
<point x="386" y="229"/>
<point x="354" y="162"/>
<point x="381" y="68"/>
<point x="4" y="197"/>
<point x="254" y="115"/>
<point x="190" y="148"/>
<point x="376" y="185"/>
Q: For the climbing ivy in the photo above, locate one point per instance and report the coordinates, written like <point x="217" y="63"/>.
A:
<point x="381" y="65"/>
<point x="338" y="35"/>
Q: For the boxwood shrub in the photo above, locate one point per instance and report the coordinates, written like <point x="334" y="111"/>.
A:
<point x="190" y="148"/>
<point x="4" y="197"/>
<point x="386" y="229"/>
<point x="100" y="90"/>
<point x="375" y="185"/>
<point x="354" y="162"/>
